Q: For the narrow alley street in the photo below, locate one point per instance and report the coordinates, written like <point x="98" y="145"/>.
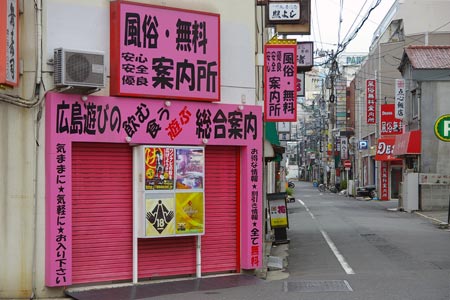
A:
<point x="340" y="248"/>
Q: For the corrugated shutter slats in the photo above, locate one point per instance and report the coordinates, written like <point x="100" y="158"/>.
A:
<point x="102" y="218"/>
<point x="219" y="244"/>
<point x="102" y="212"/>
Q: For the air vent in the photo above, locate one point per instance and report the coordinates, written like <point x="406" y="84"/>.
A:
<point x="79" y="68"/>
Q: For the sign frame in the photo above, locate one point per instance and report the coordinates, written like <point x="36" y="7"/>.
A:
<point x="276" y="6"/>
<point x="306" y="48"/>
<point x="282" y="81"/>
<point x="438" y="127"/>
<point x="9" y="36"/>
<point x="278" y="210"/>
<point x="138" y="68"/>
<point x="399" y="99"/>
<point x="371" y="101"/>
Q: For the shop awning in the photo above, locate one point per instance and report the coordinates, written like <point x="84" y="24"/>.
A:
<point x="408" y="143"/>
<point x="271" y="140"/>
<point x="385" y="147"/>
<point x="271" y="133"/>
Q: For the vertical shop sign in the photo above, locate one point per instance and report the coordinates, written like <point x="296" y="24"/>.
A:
<point x="384" y="188"/>
<point x="399" y="98"/>
<point x="255" y="233"/>
<point x="371" y="101"/>
<point x="58" y="268"/>
<point x="389" y="124"/>
<point x="344" y="147"/>
<point x="164" y="52"/>
<point x="280" y="78"/>
<point x="9" y="24"/>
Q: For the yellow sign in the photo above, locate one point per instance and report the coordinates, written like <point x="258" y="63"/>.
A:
<point x="189" y="213"/>
<point x="160" y="216"/>
<point x="278" y="213"/>
<point x="276" y="41"/>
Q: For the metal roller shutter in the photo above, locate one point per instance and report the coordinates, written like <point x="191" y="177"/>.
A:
<point x="220" y="251"/>
<point x="102" y="218"/>
<point x="102" y="212"/>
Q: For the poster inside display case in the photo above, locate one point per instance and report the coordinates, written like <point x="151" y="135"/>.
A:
<point x="170" y="200"/>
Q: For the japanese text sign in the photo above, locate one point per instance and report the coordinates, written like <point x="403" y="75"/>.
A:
<point x="280" y="78"/>
<point x="305" y="58"/>
<point x="136" y="121"/>
<point x="371" y="101"/>
<point x="385" y="148"/>
<point x="284" y="11"/>
<point x="389" y="123"/>
<point x="344" y="147"/>
<point x="278" y="210"/>
<point x="399" y="98"/>
<point x="9" y="24"/>
<point x="384" y="187"/>
<point x="164" y="52"/>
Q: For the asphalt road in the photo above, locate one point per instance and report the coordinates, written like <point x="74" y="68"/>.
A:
<point x="342" y="248"/>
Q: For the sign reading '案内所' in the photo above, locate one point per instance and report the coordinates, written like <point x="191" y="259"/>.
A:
<point x="164" y="52"/>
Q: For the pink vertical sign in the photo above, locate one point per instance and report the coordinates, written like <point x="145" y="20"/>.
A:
<point x="280" y="83"/>
<point x="164" y="52"/>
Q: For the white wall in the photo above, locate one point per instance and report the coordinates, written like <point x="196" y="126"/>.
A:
<point x="66" y="28"/>
<point x="429" y="15"/>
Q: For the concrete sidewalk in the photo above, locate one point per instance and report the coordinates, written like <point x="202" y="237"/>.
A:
<point x="440" y="217"/>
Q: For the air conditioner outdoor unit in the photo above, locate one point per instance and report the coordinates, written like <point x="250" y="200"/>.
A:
<point x="79" y="68"/>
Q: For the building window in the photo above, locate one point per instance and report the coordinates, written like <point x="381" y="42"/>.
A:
<point x="414" y="104"/>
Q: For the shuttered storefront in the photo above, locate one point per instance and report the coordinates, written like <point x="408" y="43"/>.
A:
<point x="101" y="212"/>
<point x="102" y="218"/>
<point x="220" y="244"/>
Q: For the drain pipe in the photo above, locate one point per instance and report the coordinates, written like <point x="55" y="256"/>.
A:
<point x="38" y="12"/>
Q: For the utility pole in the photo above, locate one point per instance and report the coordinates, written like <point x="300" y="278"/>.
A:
<point x="334" y="71"/>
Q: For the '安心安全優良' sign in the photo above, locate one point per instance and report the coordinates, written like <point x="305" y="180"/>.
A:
<point x="164" y="52"/>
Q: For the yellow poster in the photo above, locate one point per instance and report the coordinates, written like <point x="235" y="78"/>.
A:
<point x="159" y="216"/>
<point x="278" y="213"/>
<point x="189" y="213"/>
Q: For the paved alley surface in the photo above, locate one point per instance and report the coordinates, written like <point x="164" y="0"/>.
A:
<point x="343" y="248"/>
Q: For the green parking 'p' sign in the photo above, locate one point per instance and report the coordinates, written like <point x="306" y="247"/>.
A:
<point x="442" y="128"/>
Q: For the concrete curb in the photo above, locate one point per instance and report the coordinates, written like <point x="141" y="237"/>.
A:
<point x="440" y="223"/>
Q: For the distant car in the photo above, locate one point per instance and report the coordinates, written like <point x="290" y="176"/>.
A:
<point x="366" y="191"/>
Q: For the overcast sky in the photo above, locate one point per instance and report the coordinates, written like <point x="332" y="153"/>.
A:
<point x="325" y="23"/>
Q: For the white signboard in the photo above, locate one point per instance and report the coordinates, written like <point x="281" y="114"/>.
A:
<point x="284" y="11"/>
<point x="399" y="98"/>
<point x="284" y="127"/>
<point x="305" y="54"/>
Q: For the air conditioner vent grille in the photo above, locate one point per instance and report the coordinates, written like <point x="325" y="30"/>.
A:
<point x="79" y="68"/>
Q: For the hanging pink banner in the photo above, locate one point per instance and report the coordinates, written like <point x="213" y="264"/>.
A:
<point x="280" y="83"/>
